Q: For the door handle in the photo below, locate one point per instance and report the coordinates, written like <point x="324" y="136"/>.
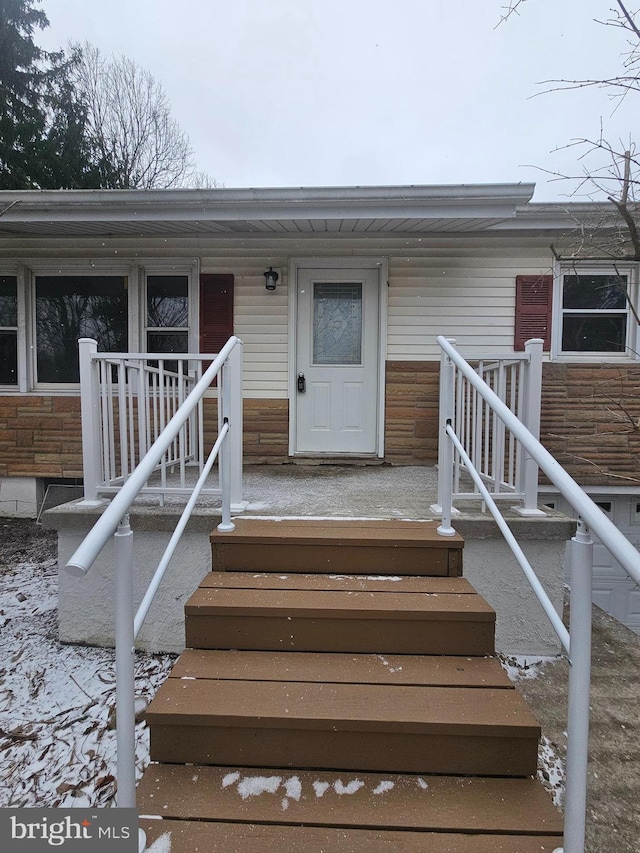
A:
<point x="302" y="383"/>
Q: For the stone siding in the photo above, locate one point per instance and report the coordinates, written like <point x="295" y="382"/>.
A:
<point x="40" y="436"/>
<point x="411" y="413"/>
<point x="590" y="421"/>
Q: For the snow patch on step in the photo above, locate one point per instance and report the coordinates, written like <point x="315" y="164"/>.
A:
<point x="350" y="788"/>
<point x="161" y="844"/>
<point x="230" y="779"/>
<point x="253" y="786"/>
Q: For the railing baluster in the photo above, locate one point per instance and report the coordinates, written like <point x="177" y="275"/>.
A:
<point x="182" y="445"/>
<point x="131" y="420"/>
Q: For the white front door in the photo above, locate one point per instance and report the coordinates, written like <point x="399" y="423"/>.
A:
<point x="337" y="358"/>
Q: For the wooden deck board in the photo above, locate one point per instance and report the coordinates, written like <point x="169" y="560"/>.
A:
<point x="194" y="836"/>
<point x="361" y="583"/>
<point x="319" y="604"/>
<point x="369" y="532"/>
<point x="398" y="708"/>
<point x="426" y="803"/>
<point x="433" y="670"/>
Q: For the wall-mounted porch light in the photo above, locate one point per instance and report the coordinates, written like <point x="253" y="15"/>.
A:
<point x="271" y="279"/>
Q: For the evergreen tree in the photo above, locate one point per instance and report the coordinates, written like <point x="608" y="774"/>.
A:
<point x="22" y="116"/>
<point x="42" y="123"/>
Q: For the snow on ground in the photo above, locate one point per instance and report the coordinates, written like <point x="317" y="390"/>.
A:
<point x="57" y="734"/>
<point x="551" y="766"/>
<point x="524" y="667"/>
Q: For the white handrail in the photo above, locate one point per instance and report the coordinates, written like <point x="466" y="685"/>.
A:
<point x="518" y="553"/>
<point x="577" y="641"/>
<point x="86" y="554"/>
<point x="152" y="589"/>
<point x="620" y="547"/>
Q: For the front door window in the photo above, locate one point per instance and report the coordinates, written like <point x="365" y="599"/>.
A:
<point x="337" y="323"/>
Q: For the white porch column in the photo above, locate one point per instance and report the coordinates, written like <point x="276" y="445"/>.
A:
<point x="531" y="419"/>
<point x="235" y="422"/>
<point x="90" y="419"/>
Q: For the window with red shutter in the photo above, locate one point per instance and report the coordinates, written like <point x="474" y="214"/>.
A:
<point x="216" y="311"/>
<point x="534" y="301"/>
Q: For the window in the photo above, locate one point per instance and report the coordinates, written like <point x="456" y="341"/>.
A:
<point x="594" y="314"/>
<point x="8" y="330"/>
<point x="69" y="307"/>
<point x="167" y="313"/>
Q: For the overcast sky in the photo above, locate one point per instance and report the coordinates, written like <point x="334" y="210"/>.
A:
<point x="365" y="92"/>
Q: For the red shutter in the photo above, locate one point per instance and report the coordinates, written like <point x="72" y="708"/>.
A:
<point x="534" y="297"/>
<point x="216" y="311"/>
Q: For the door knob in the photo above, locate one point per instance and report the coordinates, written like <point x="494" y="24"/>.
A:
<point x="302" y="383"/>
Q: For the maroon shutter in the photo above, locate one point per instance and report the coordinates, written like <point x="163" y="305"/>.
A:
<point x="216" y="311"/>
<point x="534" y="295"/>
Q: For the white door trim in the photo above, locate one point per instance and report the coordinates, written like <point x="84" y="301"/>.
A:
<point x="380" y="264"/>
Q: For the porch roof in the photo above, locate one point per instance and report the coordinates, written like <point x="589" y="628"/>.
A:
<point x="347" y="211"/>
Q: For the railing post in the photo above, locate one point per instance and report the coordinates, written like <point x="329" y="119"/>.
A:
<point x="90" y="421"/>
<point x="235" y="421"/>
<point x="125" y="673"/>
<point x="226" y="525"/>
<point x="445" y="447"/>
<point x="581" y="564"/>
<point x="531" y="418"/>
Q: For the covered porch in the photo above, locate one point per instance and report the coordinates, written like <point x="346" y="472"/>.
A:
<point x="311" y="491"/>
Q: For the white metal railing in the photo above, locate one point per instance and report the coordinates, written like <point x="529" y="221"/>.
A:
<point x="505" y="467"/>
<point x="127" y="401"/>
<point x="577" y="640"/>
<point x="114" y="521"/>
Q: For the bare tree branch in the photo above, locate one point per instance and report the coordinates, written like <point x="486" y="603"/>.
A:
<point x="135" y="140"/>
<point x="509" y="10"/>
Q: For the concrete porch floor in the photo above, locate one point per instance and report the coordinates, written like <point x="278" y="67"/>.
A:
<point x="351" y="491"/>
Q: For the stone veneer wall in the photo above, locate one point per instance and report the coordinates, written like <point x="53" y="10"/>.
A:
<point x="591" y="421"/>
<point x="411" y="412"/>
<point x="40" y="436"/>
<point x="266" y="431"/>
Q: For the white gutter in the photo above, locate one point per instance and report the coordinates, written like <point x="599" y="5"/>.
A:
<point x="394" y="202"/>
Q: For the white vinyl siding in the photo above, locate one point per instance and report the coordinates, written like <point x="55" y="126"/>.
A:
<point x="260" y="321"/>
<point x="462" y="287"/>
<point x="470" y="298"/>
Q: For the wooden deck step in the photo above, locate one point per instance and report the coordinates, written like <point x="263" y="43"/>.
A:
<point x="352" y="801"/>
<point x="339" y="614"/>
<point x="189" y="836"/>
<point x="333" y="724"/>
<point x="331" y="663"/>
<point x="419" y="670"/>
<point x="353" y="547"/>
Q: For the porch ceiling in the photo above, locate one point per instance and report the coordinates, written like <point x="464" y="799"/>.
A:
<point x="341" y="211"/>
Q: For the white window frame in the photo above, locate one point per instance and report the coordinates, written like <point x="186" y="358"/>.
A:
<point x="13" y="272"/>
<point x="66" y="268"/>
<point x="632" y="336"/>
<point x="189" y="269"/>
<point x="135" y="270"/>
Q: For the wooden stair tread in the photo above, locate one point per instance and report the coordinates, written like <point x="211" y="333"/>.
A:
<point x="342" y="707"/>
<point x="363" y="583"/>
<point x="189" y="836"/>
<point x="383" y="532"/>
<point x="426" y="803"/>
<point x="434" y="670"/>
<point x="345" y="603"/>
